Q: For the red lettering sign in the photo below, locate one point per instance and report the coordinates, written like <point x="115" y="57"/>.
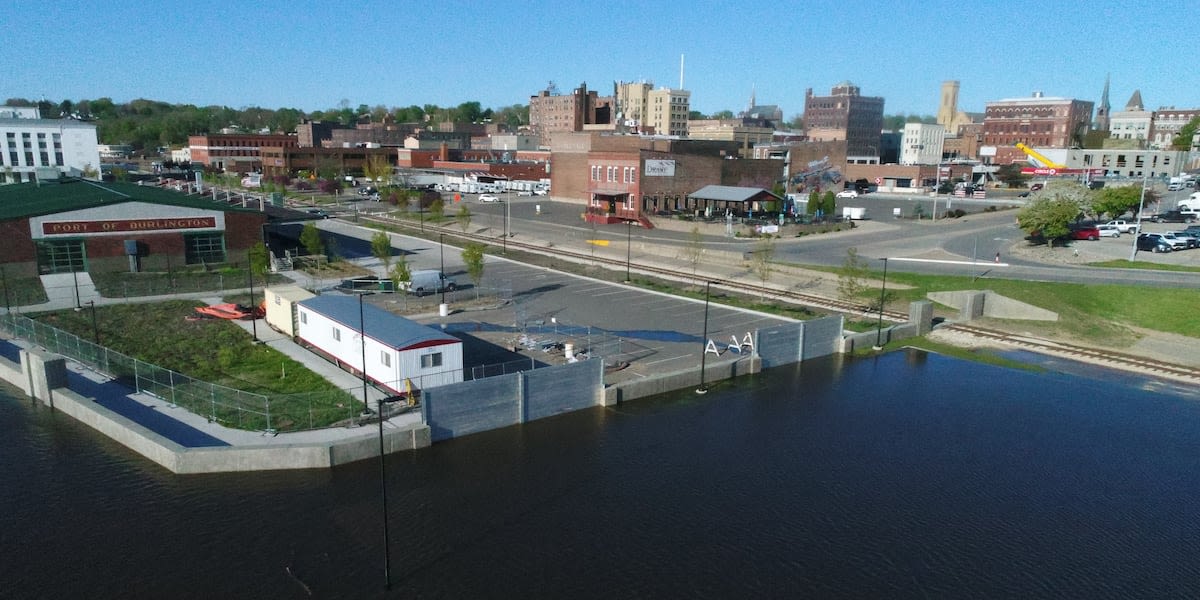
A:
<point x="124" y="225"/>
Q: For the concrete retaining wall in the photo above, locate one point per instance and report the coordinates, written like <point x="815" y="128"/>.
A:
<point x="681" y="380"/>
<point x="183" y="460"/>
<point x="986" y="303"/>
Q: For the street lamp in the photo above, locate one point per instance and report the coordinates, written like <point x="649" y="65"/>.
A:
<point x="628" y="248"/>
<point x="1141" y="206"/>
<point x="442" y="264"/>
<point x="95" y="329"/>
<point x="75" y="278"/>
<point x="704" y="340"/>
<point x="882" y="295"/>
<point x="253" y="317"/>
<point x="362" y="336"/>
<point x="387" y="550"/>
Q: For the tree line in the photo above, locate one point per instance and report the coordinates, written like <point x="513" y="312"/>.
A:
<point x="148" y="124"/>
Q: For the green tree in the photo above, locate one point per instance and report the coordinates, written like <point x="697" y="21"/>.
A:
<point x="1183" y="141"/>
<point x="1011" y="175"/>
<point x="310" y="238"/>
<point x="1049" y="217"/>
<point x="814" y="203"/>
<point x="436" y="209"/>
<point x="463" y="217"/>
<point x="472" y="257"/>
<point x="693" y="250"/>
<point x="381" y="247"/>
<point x="760" y="262"/>
<point x="378" y="170"/>
<point x="828" y="203"/>
<point x="401" y="276"/>
<point x="850" y="278"/>
<point x="1116" y="201"/>
<point x="259" y="258"/>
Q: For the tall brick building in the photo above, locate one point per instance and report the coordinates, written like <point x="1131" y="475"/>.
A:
<point x="845" y="114"/>
<point x="550" y="113"/>
<point x="1037" y="121"/>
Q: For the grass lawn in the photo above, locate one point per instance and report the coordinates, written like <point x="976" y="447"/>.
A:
<point x="1141" y="264"/>
<point x="214" y="351"/>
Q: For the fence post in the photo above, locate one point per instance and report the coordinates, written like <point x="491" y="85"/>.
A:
<point x="171" y="379"/>
<point x="267" y="403"/>
<point x="212" y="396"/>
<point x="137" y="381"/>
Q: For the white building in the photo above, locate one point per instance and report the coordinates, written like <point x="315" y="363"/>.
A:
<point x="921" y="144"/>
<point x="281" y="307"/>
<point x="1168" y="121"/>
<point x="28" y="142"/>
<point x="642" y="108"/>
<point x="1133" y="123"/>
<point x="396" y="349"/>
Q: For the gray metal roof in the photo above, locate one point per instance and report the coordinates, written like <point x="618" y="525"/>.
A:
<point x="380" y="325"/>
<point x="728" y="193"/>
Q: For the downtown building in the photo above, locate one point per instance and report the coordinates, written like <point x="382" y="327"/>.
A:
<point x="1037" y="121"/>
<point x="845" y="114"/>
<point x="31" y="143"/>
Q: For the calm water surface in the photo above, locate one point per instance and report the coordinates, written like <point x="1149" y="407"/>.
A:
<point x="906" y="476"/>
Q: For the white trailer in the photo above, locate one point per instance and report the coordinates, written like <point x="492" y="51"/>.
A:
<point x="281" y="307"/>
<point x="854" y="213"/>
<point x="397" y="350"/>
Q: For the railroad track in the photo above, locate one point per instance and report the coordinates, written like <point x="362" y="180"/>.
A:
<point x="1106" y="358"/>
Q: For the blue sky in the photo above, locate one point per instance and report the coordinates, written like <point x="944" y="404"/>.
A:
<point x="313" y="55"/>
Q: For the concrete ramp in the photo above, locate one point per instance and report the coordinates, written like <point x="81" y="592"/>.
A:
<point x="69" y="289"/>
<point x="973" y="304"/>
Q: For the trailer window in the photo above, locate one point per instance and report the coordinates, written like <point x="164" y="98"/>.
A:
<point x="431" y="360"/>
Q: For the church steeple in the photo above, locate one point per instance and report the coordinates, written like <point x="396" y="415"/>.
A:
<point x="1104" y="110"/>
<point x="751" y="107"/>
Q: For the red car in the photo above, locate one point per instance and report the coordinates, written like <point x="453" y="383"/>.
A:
<point x="1085" y="233"/>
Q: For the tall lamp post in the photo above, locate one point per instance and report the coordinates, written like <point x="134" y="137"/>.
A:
<point x="704" y="340"/>
<point x="75" y="278"/>
<point x="95" y="328"/>
<point x="628" y="248"/>
<point x="253" y="316"/>
<point x="507" y="201"/>
<point x="362" y="336"/>
<point x="882" y="295"/>
<point x="1141" y="206"/>
<point x="442" y="264"/>
<point x="387" y="549"/>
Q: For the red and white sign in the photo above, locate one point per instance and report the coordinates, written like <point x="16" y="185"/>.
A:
<point x="75" y="227"/>
<point x="878" y="181"/>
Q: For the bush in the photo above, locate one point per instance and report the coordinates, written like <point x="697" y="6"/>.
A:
<point x="303" y="185"/>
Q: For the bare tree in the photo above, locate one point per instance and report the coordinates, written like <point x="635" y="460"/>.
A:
<point x="760" y="263"/>
<point x="693" y="251"/>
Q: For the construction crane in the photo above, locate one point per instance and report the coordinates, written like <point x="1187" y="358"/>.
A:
<point x="1039" y="157"/>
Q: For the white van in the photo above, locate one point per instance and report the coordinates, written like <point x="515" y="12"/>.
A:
<point x="429" y="282"/>
<point x="1192" y="202"/>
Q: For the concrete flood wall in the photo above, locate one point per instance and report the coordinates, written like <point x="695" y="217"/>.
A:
<point x="42" y="376"/>
<point x="460" y="409"/>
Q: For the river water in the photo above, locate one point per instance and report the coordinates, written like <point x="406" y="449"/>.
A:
<point x="910" y="475"/>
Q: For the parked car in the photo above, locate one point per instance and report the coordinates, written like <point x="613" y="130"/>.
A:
<point x="1188" y="241"/>
<point x="847" y="194"/>
<point x="1174" y="216"/>
<point x="541" y="192"/>
<point x="1154" y="243"/>
<point x="1123" y="226"/>
<point x="1085" y="233"/>
<point x="1035" y="187"/>
<point x="318" y="213"/>
<point x="525" y="193"/>
<point x="489" y="198"/>
<point x="1108" y="231"/>
<point x="428" y="282"/>
<point x="1175" y="187"/>
<point x="1024" y="194"/>
<point x="367" y="190"/>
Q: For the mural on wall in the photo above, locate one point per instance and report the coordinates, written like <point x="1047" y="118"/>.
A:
<point x="817" y="175"/>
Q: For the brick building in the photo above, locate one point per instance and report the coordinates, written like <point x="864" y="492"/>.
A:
<point x="79" y="225"/>
<point x="845" y="114"/>
<point x="1037" y="121"/>
<point x="236" y="152"/>
<point x="550" y="113"/>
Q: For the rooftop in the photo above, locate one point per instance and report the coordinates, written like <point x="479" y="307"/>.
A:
<point x="25" y="200"/>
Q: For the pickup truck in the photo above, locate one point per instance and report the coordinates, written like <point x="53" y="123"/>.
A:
<point x="1123" y="226"/>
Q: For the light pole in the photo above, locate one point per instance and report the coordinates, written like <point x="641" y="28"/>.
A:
<point x="362" y="336"/>
<point x="882" y="295"/>
<point x="95" y="329"/>
<point x="253" y="316"/>
<point x="628" y="248"/>
<point x="507" y="201"/>
<point x="75" y="278"/>
<point x="1141" y="206"/>
<point x="442" y="265"/>
<point x="387" y="549"/>
<point x="704" y="341"/>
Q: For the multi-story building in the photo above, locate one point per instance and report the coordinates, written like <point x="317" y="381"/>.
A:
<point x="964" y="143"/>
<point x="845" y="114"/>
<point x="642" y="108"/>
<point x="1037" y="121"/>
<point x="1168" y="121"/>
<point x="236" y="152"/>
<point x="1132" y="124"/>
<point x="746" y="132"/>
<point x="30" y="142"/>
<point x="922" y="144"/>
<point x="550" y="113"/>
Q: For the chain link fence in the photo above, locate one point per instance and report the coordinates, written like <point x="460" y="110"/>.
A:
<point x="217" y="403"/>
